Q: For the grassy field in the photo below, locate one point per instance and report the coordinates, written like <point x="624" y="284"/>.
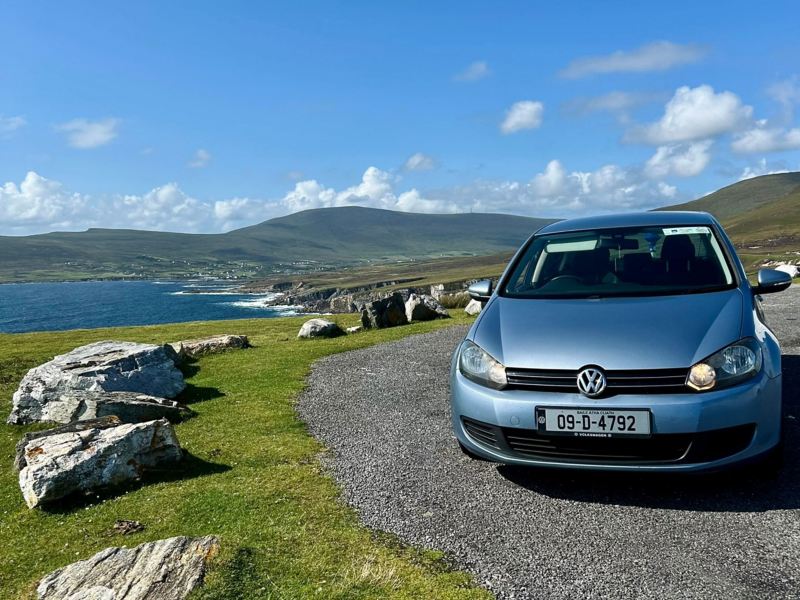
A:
<point x="252" y="478"/>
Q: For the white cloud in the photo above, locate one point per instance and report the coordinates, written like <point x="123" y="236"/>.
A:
<point x="681" y="160"/>
<point x="526" y="114"/>
<point x="694" y="114"/>
<point x="761" y="168"/>
<point x="656" y="56"/>
<point x="84" y="134"/>
<point x="200" y="159"/>
<point x="11" y="124"/>
<point x="474" y="72"/>
<point x="38" y="204"/>
<point x="763" y="138"/>
<point x="419" y="162"/>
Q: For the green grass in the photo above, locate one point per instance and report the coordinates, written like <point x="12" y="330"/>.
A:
<point x="252" y="478"/>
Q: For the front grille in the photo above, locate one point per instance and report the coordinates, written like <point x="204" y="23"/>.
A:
<point x="482" y="433"/>
<point x="654" y="381"/>
<point x="661" y="448"/>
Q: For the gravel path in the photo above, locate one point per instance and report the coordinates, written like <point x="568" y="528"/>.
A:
<point x="383" y="412"/>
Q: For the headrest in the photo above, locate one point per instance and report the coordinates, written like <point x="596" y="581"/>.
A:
<point x="677" y="247"/>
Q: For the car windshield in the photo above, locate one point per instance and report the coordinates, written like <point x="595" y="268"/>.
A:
<point x="631" y="261"/>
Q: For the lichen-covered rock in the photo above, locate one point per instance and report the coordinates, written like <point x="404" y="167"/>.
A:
<point x="473" y="308"/>
<point x="211" y="345"/>
<point x="424" y="308"/>
<point x="315" y="328"/>
<point x="80" y="457"/>
<point x="102" y="366"/>
<point x="130" y="407"/>
<point x="163" y="570"/>
<point x="385" y="312"/>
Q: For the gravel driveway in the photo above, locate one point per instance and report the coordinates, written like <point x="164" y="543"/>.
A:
<point x="383" y="413"/>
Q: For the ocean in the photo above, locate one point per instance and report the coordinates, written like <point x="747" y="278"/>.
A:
<point x="88" y="304"/>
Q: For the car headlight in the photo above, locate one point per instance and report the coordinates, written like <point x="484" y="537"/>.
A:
<point x="729" y="366"/>
<point x="476" y="364"/>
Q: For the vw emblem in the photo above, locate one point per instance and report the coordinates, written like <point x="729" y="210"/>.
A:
<point x="591" y="382"/>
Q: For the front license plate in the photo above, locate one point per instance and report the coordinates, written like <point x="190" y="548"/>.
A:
<point x="593" y="422"/>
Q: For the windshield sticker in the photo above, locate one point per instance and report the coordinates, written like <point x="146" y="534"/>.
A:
<point x="686" y="230"/>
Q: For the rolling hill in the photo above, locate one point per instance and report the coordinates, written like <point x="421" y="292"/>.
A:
<point x="310" y="239"/>
<point x="762" y="213"/>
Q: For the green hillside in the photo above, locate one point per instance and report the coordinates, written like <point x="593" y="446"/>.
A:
<point x="310" y="239"/>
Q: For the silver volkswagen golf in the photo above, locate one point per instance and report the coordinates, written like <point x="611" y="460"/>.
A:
<point x="623" y="342"/>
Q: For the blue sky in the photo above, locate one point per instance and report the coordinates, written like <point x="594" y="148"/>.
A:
<point x="207" y="116"/>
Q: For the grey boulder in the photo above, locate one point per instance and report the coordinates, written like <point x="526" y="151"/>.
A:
<point x="473" y="308"/>
<point x="384" y="312"/>
<point x="167" y="569"/>
<point x="78" y="405"/>
<point x="424" y="308"/>
<point x="90" y="455"/>
<point x="316" y="328"/>
<point x="102" y="366"/>
<point x="211" y="345"/>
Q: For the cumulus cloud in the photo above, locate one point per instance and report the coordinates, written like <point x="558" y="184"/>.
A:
<point x="681" y="160"/>
<point x="11" y="124"/>
<point x="525" y="114"/>
<point x="38" y="205"/>
<point x="761" y="168"/>
<point x="656" y="56"/>
<point x="763" y="139"/>
<point x="85" y="134"/>
<point x="695" y="114"/>
<point x="200" y="159"/>
<point x="419" y="162"/>
<point x="474" y="72"/>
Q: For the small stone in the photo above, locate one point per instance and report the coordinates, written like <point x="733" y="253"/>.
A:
<point x="211" y="345"/>
<point x="125" y="527"/>
<point x="354" y="329"/>
<point x="473" y="308"/>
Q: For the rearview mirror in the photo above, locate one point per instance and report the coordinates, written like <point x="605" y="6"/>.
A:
<point x="480" y="290"/>
<point x="771" y="280"/>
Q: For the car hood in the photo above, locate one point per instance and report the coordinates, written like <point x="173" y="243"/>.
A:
<point x="614" y="333"/>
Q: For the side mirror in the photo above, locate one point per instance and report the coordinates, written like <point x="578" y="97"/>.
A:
<point x="480" y="290"/>
<point x="771" y="280"/>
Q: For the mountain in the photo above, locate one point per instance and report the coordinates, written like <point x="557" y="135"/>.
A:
<point x="310" y="239"/>
<point x="762" y="213"/>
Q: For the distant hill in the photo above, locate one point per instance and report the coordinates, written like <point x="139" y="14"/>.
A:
<point x="762" y="213"/>
<point x="317" y="238"/>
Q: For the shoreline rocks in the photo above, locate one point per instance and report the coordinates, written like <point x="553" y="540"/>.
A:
<point x="90" y="455"/>
<point x="424" y="308"/>
<point x="168" y="569"/>
<point x="103" y="366"/>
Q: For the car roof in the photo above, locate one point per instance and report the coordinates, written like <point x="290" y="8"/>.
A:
<point x="666" y="218"/>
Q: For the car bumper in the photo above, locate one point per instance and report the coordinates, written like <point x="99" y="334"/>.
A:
<point x="690" y="432"/>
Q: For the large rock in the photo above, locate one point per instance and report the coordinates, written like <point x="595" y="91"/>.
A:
<point x="102" y="366"/>
<point x="77" y="405"/>
<point x="211" y="345"/>
<point x="164" y="570"/>
<point x="473" y="308"/>
<point x="315" y="328"/>
<point x="424" y="308"/>
<point x="80" y="457"/>
<point x="385" y="312"/>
